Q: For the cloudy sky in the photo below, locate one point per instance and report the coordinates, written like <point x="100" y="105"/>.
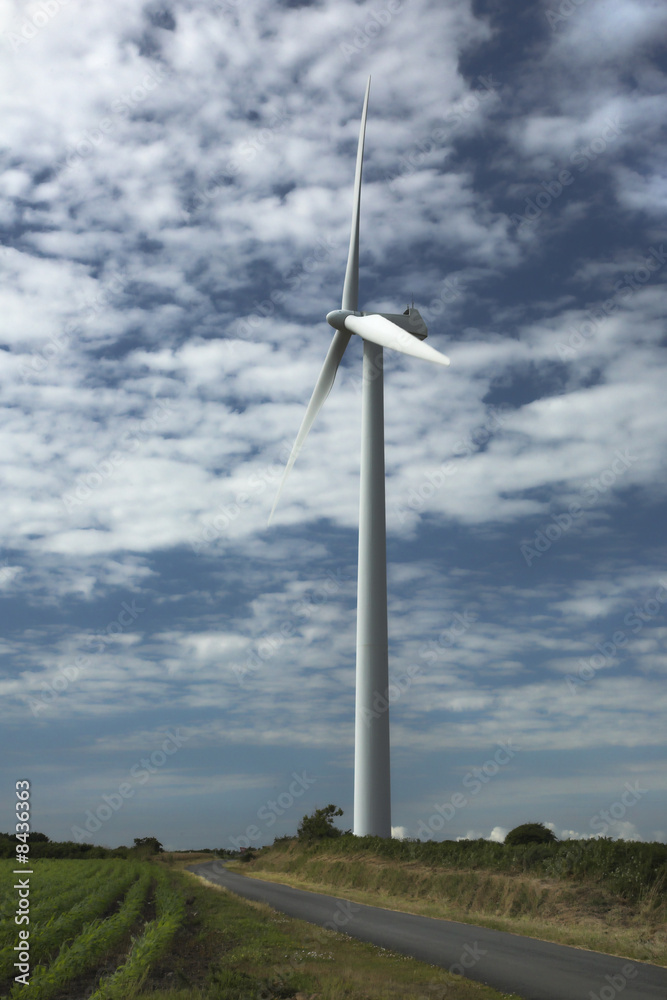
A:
<point x="175" y="197"/>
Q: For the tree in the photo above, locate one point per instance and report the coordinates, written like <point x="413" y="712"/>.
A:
<point x="320" y="824"/>
<point x="148" y="845"/>
<point x="35" y="837"/>
<point x="530" y="833"/>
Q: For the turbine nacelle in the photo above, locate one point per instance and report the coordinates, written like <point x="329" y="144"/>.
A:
<point x="410" y="320"/>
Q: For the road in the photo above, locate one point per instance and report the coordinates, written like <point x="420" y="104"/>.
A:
<point x="536" y="970"/>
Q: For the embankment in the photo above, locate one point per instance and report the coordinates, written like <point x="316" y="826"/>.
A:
<point x="570" y="909"/>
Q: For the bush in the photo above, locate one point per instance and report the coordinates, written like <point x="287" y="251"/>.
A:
<point x="530" y="833"/>
<point x="151" y="844"/>
<point x="319" y="824"/>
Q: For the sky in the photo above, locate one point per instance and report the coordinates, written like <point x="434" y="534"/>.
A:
<point x="175" y="200"/>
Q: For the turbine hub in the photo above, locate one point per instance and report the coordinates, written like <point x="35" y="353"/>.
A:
<point x="336" y="318"/>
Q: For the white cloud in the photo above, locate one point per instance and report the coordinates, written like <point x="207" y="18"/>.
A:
<point x="153" y="375"/>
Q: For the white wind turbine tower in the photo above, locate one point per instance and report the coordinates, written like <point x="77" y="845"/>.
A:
<point x="405" y="333"/>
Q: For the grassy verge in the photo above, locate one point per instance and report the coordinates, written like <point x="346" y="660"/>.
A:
<point x="582" y="914"/>
<point x="234" y="949"/>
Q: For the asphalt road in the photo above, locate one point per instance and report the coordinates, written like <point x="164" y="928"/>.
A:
<point x="536" y="970"/>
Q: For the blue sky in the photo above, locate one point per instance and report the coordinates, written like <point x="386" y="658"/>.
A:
<point x="175" y="197"/>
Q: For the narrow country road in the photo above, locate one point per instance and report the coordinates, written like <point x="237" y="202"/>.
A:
<point x="536" y="970"/>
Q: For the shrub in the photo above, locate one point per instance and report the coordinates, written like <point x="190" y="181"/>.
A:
<point x="148" y="845"/>
<point x="319" y="824"/>
<point x="530" y="833"/>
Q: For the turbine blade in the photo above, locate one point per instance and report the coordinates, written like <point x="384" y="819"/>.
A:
<point x="382" y="331"/>
<point x="322" y="389"/>
<point x="351" y="284"/>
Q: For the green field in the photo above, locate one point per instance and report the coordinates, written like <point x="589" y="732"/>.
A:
<point x="142" y="928"/>
<point x="82" y="914"/>
<point x="146" y="930"/>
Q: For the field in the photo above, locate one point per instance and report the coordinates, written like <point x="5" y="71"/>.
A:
<point x="82" y="913"/>
<point x="129" y="929"/>
<point x="146" y="930"/>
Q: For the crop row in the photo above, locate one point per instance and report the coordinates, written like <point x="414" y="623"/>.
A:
<point x="55" y="872"/>
<point x="51" y="891"/>
<point x="147" y="948"/>
<point x="51" y="934"/>
<point x="84" y="954"/>
<point x="45" y="882"/>
<point x="51" y="878"/>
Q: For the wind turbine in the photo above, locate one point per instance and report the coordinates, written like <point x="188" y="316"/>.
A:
<point x="403" y="332"/>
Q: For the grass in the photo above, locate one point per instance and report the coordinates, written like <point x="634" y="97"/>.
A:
<point x="234" y="949"/>
<point x="581" y="913"/>
<point x="190" y="940"/>
<point x="61" y="885"/>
